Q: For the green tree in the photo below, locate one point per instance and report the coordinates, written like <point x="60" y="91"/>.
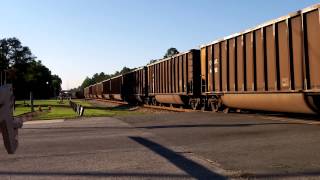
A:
<point x="12" y="53"/>
<point x="99" y="77"/>
<point x="56" y="84"/>
<point x="87" y="82"/>
<point x="152" y="61"/>
<point x="170" y="52"/>
<point x="25" y="72"/>
<point x="125" y="70"/>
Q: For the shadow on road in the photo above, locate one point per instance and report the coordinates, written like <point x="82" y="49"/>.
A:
<point x="192" y="168"/>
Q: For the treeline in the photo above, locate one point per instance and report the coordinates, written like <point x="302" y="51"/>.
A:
<point x="97" y="77"/>
<point x="25" y="72"/>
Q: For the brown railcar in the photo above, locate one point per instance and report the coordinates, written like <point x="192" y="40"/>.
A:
<point x="90" y="92"/>
<point x="272" y="67"/>
<point x="99" y="89"/>
<point x="116" y="88"/>
<point x="175" y="80"/>
<point x="106" y="85"/>
<point x="135" y="85"/>
<point x="86" y="92"/>
<point x="94" y="91"/>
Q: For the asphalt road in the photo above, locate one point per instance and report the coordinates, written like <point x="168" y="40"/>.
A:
<point x="167" y="146"/>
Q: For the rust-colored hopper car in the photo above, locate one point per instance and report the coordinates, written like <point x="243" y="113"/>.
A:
<point x="135" y="85"/>
<point x="175" y="80"/>
<point x="272" y="67"/>
<point x="106" y="89"/>
<point x="116" y="88"/>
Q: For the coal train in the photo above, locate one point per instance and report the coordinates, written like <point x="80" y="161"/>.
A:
<point x="272" y="67"/>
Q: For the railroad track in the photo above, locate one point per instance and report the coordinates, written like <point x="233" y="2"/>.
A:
<point x="174" y="109"/>
<point x="312" y="120"/>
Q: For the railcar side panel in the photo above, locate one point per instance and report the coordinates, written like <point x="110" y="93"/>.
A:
<point x="312" y="29"/>
<point x="284" y="56"/>
<point x="224" y="66"/>
<point x="204" y="74"/>
<point x="297" y="52"/>
<point x="99" y="87"/>
<point x="259" y="52"/>
<point x="232" y="64"/>
<point x="217" y="69"/>
<point x="271" y="57"/>
<point x="250" y="61"/>
<point x="241" y="64"/>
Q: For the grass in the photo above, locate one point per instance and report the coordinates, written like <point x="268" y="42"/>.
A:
<point x="64" y="111"/>
<point x="44" y="103"/>
<point x="57" y="113"/>
<point x="21" y="110"/>
<point x="53" y="102"/>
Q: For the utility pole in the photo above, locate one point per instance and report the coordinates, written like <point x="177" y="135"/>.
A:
<point x="1" y="78"/>
<point x="31" y="101"/>
<point x="5" y="77"/>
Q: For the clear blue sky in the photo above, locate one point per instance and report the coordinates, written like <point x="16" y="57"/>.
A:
<point x="77" y="38"/>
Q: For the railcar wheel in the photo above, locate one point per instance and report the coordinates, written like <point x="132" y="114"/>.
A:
<point x="203" y="107"/>
<point x="194" y="105"/>
<point x="226" y="110"/>
<point x="146" y="101"/>
<point x="216" y="105"/>
<point x="154" y="101"/>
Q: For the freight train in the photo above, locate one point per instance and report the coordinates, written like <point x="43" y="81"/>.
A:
<point x="272" y="67"/>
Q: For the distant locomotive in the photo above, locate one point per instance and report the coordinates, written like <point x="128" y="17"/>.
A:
<point x="272" y="67"/>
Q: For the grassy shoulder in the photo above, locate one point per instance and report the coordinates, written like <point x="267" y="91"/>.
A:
<point x="63" y="110"/>
<point x="21" y="110"/>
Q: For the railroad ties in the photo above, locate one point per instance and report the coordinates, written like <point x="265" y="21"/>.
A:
<point x="173" y="109"/>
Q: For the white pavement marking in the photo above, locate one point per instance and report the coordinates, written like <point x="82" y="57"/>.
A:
<point x="44" y="121"/>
